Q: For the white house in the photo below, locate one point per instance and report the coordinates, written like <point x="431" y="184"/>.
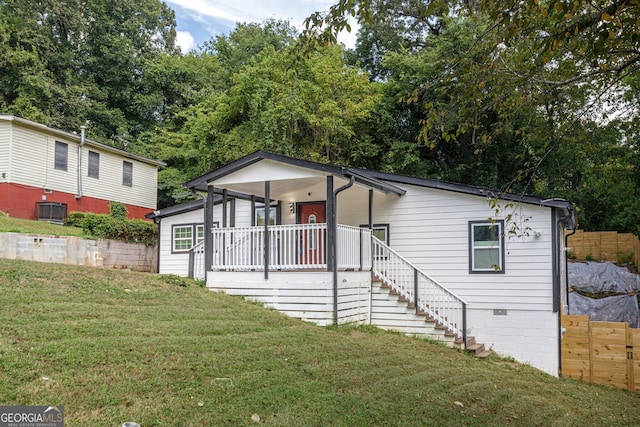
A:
<point x="45" y="172"/>
<point x="416" y="255"/>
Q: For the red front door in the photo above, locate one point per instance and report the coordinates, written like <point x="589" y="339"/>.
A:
<point x="312" y="239"/>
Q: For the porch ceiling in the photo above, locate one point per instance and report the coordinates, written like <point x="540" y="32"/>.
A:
<point x="284" y="189"/>
<point x="289" y="178"/>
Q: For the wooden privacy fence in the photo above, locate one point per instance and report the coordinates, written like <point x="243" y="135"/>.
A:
<point x="606" y="353"/>
<point x="605" y="246"/>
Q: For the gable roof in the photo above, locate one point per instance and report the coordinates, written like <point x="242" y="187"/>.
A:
<point x="200" y="183"/>
<point x="76" y="138"/>
<point x="379" y="180"/>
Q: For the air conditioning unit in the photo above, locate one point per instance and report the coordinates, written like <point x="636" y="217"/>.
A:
<point x="53" y="212"/>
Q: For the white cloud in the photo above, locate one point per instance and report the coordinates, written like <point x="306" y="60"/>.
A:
<point x="185" y="40"/>
<point x="215" y="15"/>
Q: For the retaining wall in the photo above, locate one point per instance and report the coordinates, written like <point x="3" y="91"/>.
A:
<point x="78" y="251"/>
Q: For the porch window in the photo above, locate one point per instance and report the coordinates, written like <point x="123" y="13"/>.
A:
<point x="259" y="216"/>
<point x="486" y="247"/>
<point x="186" y="236"/>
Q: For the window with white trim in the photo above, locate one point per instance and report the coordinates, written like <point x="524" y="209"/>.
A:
<point x="200" y="233"/>
<point x="182" y="238"/>
<point x="486" y="247"/>
<point x="259" y="215"/>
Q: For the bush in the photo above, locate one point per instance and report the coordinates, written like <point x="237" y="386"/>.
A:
<point x="118" y="210"/>
<point x="108" y="227"/>
<point x="75" y="219"/>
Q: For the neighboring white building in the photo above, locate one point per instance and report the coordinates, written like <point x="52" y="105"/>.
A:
<point x="473" y="261"/>
<point x="44" y="171"/>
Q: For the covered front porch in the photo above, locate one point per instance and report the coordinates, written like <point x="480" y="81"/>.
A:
<point x="301" y="238"/>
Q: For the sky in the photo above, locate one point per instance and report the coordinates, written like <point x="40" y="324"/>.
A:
<point x="200" y="20"/>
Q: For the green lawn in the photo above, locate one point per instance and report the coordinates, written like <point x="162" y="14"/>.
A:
<point x="115" y="346"/>
<point x="26" y="226"/>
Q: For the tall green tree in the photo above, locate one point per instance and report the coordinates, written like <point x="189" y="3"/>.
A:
<point x="91" y="57"/>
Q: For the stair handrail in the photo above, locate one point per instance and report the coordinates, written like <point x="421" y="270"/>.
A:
<point x="197" y="272"/>
<point x="395" y="271"/>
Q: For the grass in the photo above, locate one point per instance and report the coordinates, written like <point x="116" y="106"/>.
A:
<point x="114" y="346"/>
<point x="26" y="226"/>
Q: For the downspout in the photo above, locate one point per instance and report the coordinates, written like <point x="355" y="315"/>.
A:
<point x="334" y="248"/>
<point x="560" y="224"/>
<point x="82" y="141"/>
<point x="566" y="262"/>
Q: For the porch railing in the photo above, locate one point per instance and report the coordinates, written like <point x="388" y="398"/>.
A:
<point x="410" y="283"/>
<point x="353" y="248"/>
<point x="196" y="261"/>
<point x="291" y="247"/>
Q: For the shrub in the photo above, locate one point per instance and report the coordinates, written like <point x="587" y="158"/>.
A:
<point x="75" y="219"/>
<point x="118" y="210"/>
<point x="109" y="227"/>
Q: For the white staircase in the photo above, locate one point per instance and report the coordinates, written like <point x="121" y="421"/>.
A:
<point x="390" y="313"/>
<point x="405" y="299"/>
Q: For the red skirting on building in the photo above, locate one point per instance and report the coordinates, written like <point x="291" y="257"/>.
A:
<point x="19" y="201"/>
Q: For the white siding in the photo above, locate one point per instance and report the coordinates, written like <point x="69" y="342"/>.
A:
<point x="109" y="184"/>
<point x="33" y="157"/>
<point x="5" y="150"/>
<point x="178" y="263"/>
<point x="303" y="295"/>
<point x="528" y="336"/>
<point x="431" y="228"/>
<point x="33" y="165"/>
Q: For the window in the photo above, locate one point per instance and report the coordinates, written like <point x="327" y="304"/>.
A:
<point x="380" y="231"/>
<point x="94" y="165"/>
<point x="260" y="216"/>
<point x="127" y="173"/>
<point x="61" y="155"/>
<point x="486" y="247"/>
<point x="200" y="233"/>
<point x="186" y="236"/>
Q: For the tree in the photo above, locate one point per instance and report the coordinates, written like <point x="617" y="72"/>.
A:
<point x="522" y="57"/>
<point x="92" y="58"/>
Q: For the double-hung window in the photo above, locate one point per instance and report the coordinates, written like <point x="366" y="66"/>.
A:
<point x="486" y="247"/>
<point x="186" y="236"/>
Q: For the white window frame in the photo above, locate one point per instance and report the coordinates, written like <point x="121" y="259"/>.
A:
<point x="188" y="239"/>
<point x="498" y="244"/>
<point x="273" y="215"/>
